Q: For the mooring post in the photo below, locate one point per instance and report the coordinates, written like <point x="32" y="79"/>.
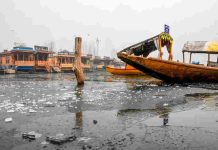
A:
<point x="78" y="64"/>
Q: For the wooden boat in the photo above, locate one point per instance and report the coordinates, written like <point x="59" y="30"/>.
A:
<point x="128" y="70"/>
<point x="168" y="70"/>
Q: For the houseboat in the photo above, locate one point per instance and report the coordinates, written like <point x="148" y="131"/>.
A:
<point x="42" y="62"/>
<point x="62" y="62"/>
<point x="23" y="58"/>
<point x="6" y="63"/>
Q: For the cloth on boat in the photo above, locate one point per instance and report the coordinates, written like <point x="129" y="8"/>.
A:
<point x="145" y="49"/>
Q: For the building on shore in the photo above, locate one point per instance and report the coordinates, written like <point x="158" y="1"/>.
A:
<point x="101" y="63"/>
<point x="87" y="62"/>
<point x="40" y="59"/>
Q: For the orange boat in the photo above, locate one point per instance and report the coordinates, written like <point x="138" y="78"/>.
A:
<point x="169" y="70"/>
<point x="128" y="70"/>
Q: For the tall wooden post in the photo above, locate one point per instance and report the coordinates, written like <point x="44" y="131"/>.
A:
<point x="208" y="61"/>
<point x="183" y="54"/>
<point x="217" y="58"/>
<point x="160" y="48"/>
<point x="78" y="64"/>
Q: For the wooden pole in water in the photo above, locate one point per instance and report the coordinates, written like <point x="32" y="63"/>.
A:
<point x="78" y="64"/>
<point x="208" y="61"/>
<point x="183" y="57"/>
<point x="190" y="59"/>
<point x="217" y="58"/>
<point x="160" y="48"/>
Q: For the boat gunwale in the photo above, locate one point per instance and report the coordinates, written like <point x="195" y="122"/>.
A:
<point x="122" y="69"/>
<point x="175" y="63"/>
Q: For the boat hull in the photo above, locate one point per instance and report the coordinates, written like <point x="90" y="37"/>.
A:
<point x="119" y="71"/>
<point x="171" y="71"/>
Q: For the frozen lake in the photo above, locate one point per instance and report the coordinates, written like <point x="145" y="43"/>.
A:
<point x="108" y="112"/>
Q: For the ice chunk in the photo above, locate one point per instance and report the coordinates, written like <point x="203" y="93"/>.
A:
<point x="165" y="104"/>
<point x="10" y="111"/>
<point x="84" y="139"/>
<point x="8" y="119"/>
<point x="32" y="111"/>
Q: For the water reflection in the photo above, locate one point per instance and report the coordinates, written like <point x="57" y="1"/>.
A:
<point x="209" y="99"/>
<point x="76" y="108"/>
<point x="164" y="113"/>
<point x="79" y="113"/>
<point x="79" y="119"/>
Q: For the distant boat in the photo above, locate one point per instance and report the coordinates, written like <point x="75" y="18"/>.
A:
<point x="168" y="70"/>
<point x="128" y="70"/>
<point x="10" y="71"/>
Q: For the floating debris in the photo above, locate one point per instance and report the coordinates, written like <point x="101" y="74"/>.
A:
<point x="27" y="136"/>
<point x="44" y="144"/>
<point x="32" y="135"/>
<point x="95" y="121"/>
<point x="165" y="121"/>
<point x="32" y="111"/>
<point x="8" y="120"/>
<point x="60" y="139"/>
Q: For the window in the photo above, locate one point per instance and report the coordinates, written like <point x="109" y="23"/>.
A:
<point x="7" y="59"/>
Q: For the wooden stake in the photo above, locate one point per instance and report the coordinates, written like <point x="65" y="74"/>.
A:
<point x="183" y="57"/>
<point x="190" y="59"/>
<point x="208" y="63"/>
<point x="160" y="48"/>
<point x="78" y="64"/>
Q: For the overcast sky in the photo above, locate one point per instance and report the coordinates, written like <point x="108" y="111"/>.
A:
<point x="117" y="23"/>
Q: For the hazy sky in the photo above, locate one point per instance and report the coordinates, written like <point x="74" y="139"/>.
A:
<point x="117" y="23"/>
